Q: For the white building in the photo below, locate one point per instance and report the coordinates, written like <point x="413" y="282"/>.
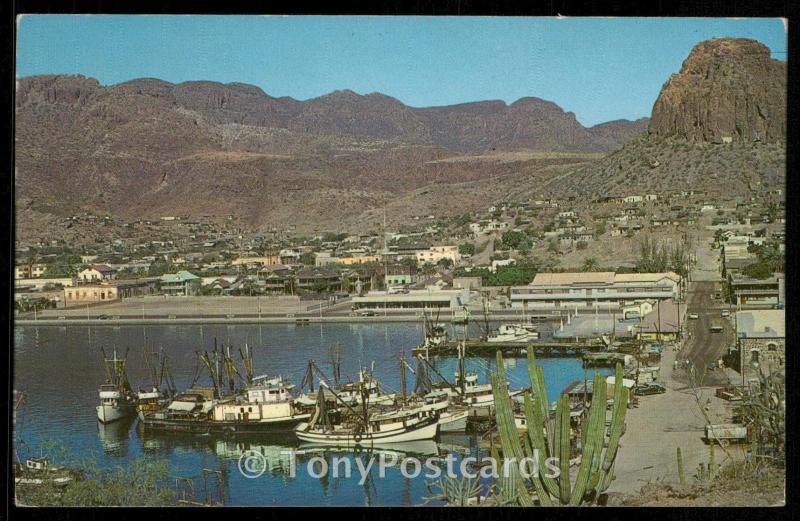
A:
<point x="606" y="291"/>
<point x="414" y="299"/>
<point x="96" y="273"/>
<point x="436" y="253"/>
<point x="497" y="263"/>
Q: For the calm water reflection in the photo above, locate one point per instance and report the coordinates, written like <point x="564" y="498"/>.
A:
<point x="60" y="368"/>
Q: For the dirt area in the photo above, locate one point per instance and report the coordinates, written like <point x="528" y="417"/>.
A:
<point x="766" y="488"/>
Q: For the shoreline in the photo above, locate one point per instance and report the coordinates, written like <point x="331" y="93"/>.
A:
<point x="217" y="319"/>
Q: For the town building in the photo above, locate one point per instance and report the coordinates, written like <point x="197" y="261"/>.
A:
<point x="751" y="293"/>
<point x="29" y="271"/>
<point x="761" y="336"/>
<point x="96" y="273"/>
<point x="399" y="279"/>
<point x="181" y="284"/>
<point x="470" y="283"/>
<point x="606" y="291"/>
<point x="90" y="293"/>
<point x="257" y="262"/>
<point x="358" y="259"/>
<point x="317" y="280"/>
<point x="662" y="323"/>
<point x="434" y="254"/>
<point x="445" y="299"/>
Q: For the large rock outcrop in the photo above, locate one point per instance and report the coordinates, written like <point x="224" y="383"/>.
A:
<point x="728" y="89"/>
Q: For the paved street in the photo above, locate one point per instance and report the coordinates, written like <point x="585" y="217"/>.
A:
<point x="662" y="423"/>
<point x="703" y="347"/>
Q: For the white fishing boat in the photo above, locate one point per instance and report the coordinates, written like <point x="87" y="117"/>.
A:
<point x="350" y="392"/>
<point x="362" y="429"/>
<point x="392" y="428"/>
<point x="514" y="333"/>
<point x="473" y="394"/>
<point x="452" y="418"/>
<point x="267" y="405"/>
<point x="117" y="400"/>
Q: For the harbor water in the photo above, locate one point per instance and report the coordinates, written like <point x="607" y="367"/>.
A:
<point x="60" y="368"/>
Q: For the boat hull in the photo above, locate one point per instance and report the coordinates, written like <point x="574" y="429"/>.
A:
<point x="453" y="422"/>
<point x="223" y="427"/>
<point x="111" y="413"/>
<point x="425" y="431"/>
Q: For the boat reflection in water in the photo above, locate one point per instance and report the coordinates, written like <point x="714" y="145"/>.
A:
<point x="114" y="437"/>
<point x="391" y="451"/>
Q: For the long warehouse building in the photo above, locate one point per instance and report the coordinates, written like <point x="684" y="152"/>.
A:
<point x="604" y="290"/>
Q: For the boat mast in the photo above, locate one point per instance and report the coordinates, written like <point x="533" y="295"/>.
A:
<point x="462" y="377"/>
<point x="403" y="376"/>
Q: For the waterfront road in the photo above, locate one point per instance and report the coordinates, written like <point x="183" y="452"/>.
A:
<point x="663" y="422"/>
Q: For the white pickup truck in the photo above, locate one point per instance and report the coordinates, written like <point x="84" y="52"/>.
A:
<point x="725" y="433"/>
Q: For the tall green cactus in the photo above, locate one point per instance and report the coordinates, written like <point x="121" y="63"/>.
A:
<point x="548" y="437"/>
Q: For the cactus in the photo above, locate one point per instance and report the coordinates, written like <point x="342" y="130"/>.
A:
<point x="712" y="463"/>
<point x="681" y="475"/>
<point x="551" y="438"/>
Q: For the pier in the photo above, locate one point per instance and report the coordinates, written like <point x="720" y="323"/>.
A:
<point x="483" y="348"/>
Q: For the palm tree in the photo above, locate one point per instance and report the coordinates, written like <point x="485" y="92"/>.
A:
<point x="590" y="264"/>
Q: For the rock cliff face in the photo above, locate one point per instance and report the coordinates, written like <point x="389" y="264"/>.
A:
<point x="728" y="89"/>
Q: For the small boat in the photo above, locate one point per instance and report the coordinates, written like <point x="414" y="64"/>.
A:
<point x="117" y="400"/>
<point x="39" y="471"/>
<point x="514" y="333"/>
<point x="187" y="412"/>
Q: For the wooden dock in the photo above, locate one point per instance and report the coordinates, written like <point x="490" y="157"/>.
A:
<point x="482" y="348"/>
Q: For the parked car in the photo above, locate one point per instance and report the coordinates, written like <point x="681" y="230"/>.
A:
<point x="726" y="313"/>
<point x="649" y="388"/>
<point x="104" y="317"/>
<point x="694" y="316"/>
<point x="367" y="313"/>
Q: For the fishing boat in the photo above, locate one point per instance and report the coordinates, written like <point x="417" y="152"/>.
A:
<point x="350" y="393"/>
<point x="514" y="333"/>
<point x="188" y="412"/>
<point x="162" y="386"/>
<point x="267" y="405"/>
<point x="435" y="336"/>
<point x="117" y="400"/>
<point x="362" y="429"/>
<point x="466" y="391"/>
<point x="452" y="417"/>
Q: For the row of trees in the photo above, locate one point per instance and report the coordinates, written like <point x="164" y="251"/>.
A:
<point x="656" y="255"/>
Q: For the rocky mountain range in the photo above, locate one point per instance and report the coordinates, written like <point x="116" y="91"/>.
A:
<point x="146" y="148"/>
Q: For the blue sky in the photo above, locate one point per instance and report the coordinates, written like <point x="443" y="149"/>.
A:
<point x="599" y="68"/>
